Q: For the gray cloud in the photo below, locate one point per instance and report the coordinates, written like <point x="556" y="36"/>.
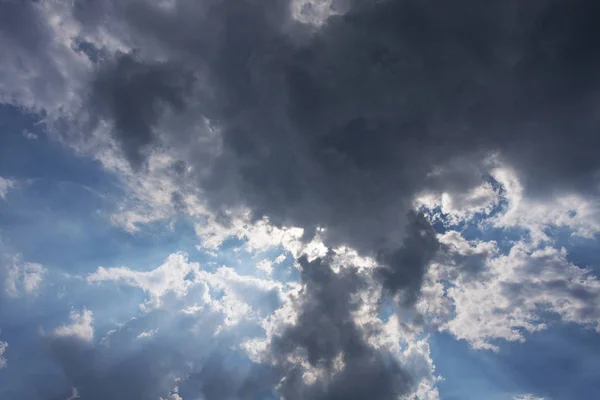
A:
<point x="326" y="330"/>
<point x="402" y="270"/>
<point x="132" y="95"/>
<point x="341" y="126"/>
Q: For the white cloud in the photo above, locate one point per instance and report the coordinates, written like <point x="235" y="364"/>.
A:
<point x="481" y="295"/>
<point x="313" y="12"/>
<point x="81" y="326"/>
<point x="180" y="285"/>
<point x="280" y="258"/>
<point x="147" y="334"/>
<point x="170" y="281"/>
<point x="23" y="278"/>
<point x="411" y="351"/>
<point x="5" y="186"/>
<point x="29" y="135"/>
<point x="3" y="347"/>
<point x="149" y="194"/>
<point x="265" y="266"/>
<point x="527" y="397"/>
<point x="480" y="200"/>
<point x="509" y="294"/>
<point x="573" y="211"/>
<point x="74" y="394"/>
<point x="579" y="214"/>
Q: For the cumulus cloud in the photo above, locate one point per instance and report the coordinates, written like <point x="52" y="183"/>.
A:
<point x="19" y="278"/>
<point x="491" y="296"/>
<point x="174" y="278"/>
<point x="81" y="326"/>
<point x="482" y="294"/>
<point x="335" y="346"/>
<point x="5" y="186"/>
<point x="571" y="210"/>
<point x="23" y="278"/>
<point x="183" y="285"/>
<point x="312" y="339"/>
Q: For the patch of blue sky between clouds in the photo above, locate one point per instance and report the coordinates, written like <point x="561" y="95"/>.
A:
<point x="557" y="363"/>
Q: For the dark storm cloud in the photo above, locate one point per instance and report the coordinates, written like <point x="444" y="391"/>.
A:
<point x="326" y="330"/>
<point x="402" y="270"/>
<point x="340" y="126"/>
<point x="133" y="95"/>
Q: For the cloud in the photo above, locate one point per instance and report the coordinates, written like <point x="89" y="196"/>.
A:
<point x="18" y="277"/>
<point x="181" y="285"/>
<point x="481" y="293"/>
<point x="571" y="210"/>
<point x="527" y="397"/>
<point x="174" y="278"/>
<point x="147" y="334"/>
<point x="366" y="114"/>
<point x="308" y="109"/>
<point x="266" y="266"/>
<point x="279" y="327"/>
<point x="507" y="295"/>
<point x="29" y="135"/>
<point x="74" y="394"/>
<point x="46" y="73"/>
<point x="337" y="124"/>
<point x="100" y="373"/>
<point x="23" y="278"/>
<point x="3" y="347"/>
<point x="81" y="327"/>
<point x="5" y="186"/>
<point x="327" y="353"/>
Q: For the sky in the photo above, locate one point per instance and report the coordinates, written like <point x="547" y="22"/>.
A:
<point x="299" y="199"/>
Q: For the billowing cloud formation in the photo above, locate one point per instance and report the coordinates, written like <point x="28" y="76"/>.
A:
<point x="495" y="296"/>
<point x="329" y="339"/>
<point x="339" y="126"/>
<point x="81" y="327"/>
<point x="308" y="341"/>
<point x="317" y="127"/>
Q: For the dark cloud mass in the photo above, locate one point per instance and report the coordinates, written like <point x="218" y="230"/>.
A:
<point x="132" y="94"/>
<point x="339" y="126"/>
<point x="326" y="330"/>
